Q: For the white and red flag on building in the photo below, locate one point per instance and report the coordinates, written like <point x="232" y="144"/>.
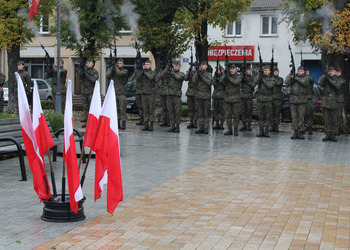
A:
<point x="107" y="144"/>
<point x="70" y="155"/>
<point x="33" y="8"/>
<point x="35" y="160"/>
<point x="41" y="130"/>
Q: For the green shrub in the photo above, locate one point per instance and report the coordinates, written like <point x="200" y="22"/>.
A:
<point x="318" y="118"/>
<point x="56" y="120"/>
<point x="48" y="104"/>
<point x="348" y="118"/>
<point x="8" y="115"/>
<point x="184" y="111"/>
<point x="75" y="108"/>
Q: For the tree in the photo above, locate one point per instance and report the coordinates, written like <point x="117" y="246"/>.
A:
<point x="15" y="31"/>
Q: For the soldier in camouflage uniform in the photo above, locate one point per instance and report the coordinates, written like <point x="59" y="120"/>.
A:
<point x="298" y="100"/>
<point x="340" y="108"/>
<point x="174" y="103"/>
<point x="232" y="82"/>
<point x="148" y="82"/>
<point x="264" y="99"/>
<point x="247" y="88"/>
<point x="2" y="81"/>
<point x="203" y="81"/>
<point x="88" y="76"/>
<point x="138" y="96"/>
<point x="218" y="101"/>
<point x="309" y="105"/>
<point x="27" y="82"/>
<point x="163" y="95"/>
<point x="332" y="86"/>
<point x="120" y="76"/>
<point x="191" y="98"/>
<point x="277" y="102"/>
<point x="52" y="73"/>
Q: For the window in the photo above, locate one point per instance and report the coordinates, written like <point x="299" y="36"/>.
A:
<point x="234" y="29"/>
<point x="269" y="25"/>
<point x="44" y="25"/>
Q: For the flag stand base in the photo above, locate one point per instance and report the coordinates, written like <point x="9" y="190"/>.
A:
<point x="57" y="211"/>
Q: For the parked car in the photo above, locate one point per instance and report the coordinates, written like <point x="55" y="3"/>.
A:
<point x="45" y="90"/>
<point x="130" y="98"/>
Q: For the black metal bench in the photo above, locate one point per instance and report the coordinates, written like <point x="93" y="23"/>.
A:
<point x="11" y="140"/>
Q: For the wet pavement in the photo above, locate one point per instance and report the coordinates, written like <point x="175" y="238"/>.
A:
<point x="198" y="191"/>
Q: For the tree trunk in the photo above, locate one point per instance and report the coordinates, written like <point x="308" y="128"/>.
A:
<point x="13" y="56"/>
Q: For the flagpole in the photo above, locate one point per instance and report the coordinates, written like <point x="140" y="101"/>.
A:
<point x="53" y="181"/>
<point x="81" y="156"/>
<point x="58" y="93"/>
<point x="64" y="182"/>
<point x="86" y="166"/>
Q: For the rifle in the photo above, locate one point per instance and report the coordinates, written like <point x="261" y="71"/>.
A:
<point x="301" y="58"/>
<point x="217" y="65"/>
<point x="115" y="53"/>
<point x="292" y="65"/>
<point x="138" y="61"/>
<point x="244" y="68"/>
<point x="191" y="64"/>
<point x="272" y="63"/>
<point x="47" y="57"/>
<point x="260" y="60"/>
<point x="81" y="58"/>
<point x="226" y="62"/>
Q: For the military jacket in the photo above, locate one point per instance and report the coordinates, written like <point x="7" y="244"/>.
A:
<point x="88" y="78"/>
<point x="26" y="79"/>
<point x="265" y="88"/>
<point x="148" y="80"/>
<point x="330" y="92"/>
<point x="192" y="87"/>
<point x="341" y="81"/>
<point x="203" y="81"/>
<point x="310" y="89"/>
<point x="277" y="88"/>
<point x="52" y="72"/>
<point x="247" y="86"/>
<point x="176" y="79"/>
<point x="138" y="83"/>
<point x="219" y="89"/>
<point x="299" y="86"/>
<point x="232" y="85"/>
<point x="120" y="77"/>
<point x="164" y="77"/>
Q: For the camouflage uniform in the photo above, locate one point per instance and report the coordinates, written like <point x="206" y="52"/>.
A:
<point x="191" y="99"/>
<point x="203" y="80"/>
<point x="27" y="82"/>
<point x="120" y="77"/>
<point x="264" y="103"/>
<point x="52" y="72"/>
<point x="218" y="103"/>
<point x="310" y="106"/>
<point x="2" y="81"/>
<point x="232" y="85"/>
<point x="341" y="104"/>
<point x="163" y="92"/>
<point x="174" y="103"/>
<point x="298" y="100"/>
<point x="247" y="88"/>
<point x="276" y="104"/>
<point x="138" y="97"/>
<point x="148" y="82"/>
<point x="88" y="78"/>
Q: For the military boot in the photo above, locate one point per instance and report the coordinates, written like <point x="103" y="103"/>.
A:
<point x="221" y="126"/>
<point x="327" y="138"/>
<point x="261" y="132"/>
<point x="333" y="137"/>
<point x="301" y="135"/>
<point x="172" y="128"/>
<point x="146" y="127"/>
<point x="150" y="126"/>
<point x="195" y="124"/>
<point x="244" y="127"/>
<point x="177" y="128"/>
<point x="276" y="128"/>
<point x="249" y="128"/>
<point x="309" y="130"/>
<point x="164" y="124"/>
<point x="140" y="122"/>
<point x="216" y="125"/>
<point x="199" y="130"/>
<point x="266" y="132"/>
<point x="295" y="135"/>
<point x="123" y="127"/>
<point x="235" y="131"/>
<point x="191" y="124"/>
<point x="229" y="131"/>
<point x="205" y="131"/>
<point x="272" y="129"/>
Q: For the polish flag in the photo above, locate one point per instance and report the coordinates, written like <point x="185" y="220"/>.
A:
<point x="70" y="154"/>
<point x="107" y="143"/>
<point x="36" y="163"/>
<point x="33" y="6"/>
<point x="42" y="132"/>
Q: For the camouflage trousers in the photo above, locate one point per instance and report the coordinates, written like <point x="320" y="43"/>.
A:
<point x="232" y="111"/>
<point x="86" y="99"/>
<point x="246" y="110"/>
<point x="121" y="107"/>
<point x="138" y="100"/>
<point x="191" y="103"/>
<point x="174" y="109"/>
<point x="264" y="110"/>
<point x="298" y="116"/>
<point x="164" y="106"/>
<point x="340" y="108"/>
<point x="276" y="111"/>
<point x="218" y="110"/>
<point x="203" y="109"/>
<point x="148" y="102"/>
<point x="309" y="113"/>
<point x="331" y="121"/>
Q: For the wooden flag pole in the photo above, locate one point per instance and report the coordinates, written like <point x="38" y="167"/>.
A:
<point x="64" y="182"/>
<point x="85" y="169"/>
<point x="53" y="181"/>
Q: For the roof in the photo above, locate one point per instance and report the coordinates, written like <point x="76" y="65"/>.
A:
<point x="265" y="4"/>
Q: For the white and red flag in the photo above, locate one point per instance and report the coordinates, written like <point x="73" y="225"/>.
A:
<point x="107" y="144"/>
<point x="36" y="163"/>
<point x="41" y="130"/>
<point x="33" y="6"/>
<point x="70" y="155"/>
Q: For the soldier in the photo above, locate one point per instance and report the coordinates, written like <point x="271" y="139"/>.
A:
<point x="163" y="93"/>
<point x="138" y="96"/>
<point x="232" y="82"/>
<point x="203" y="81"/>
<point x="88" y="76"/>
<point x="119" y="75"/>
<point x="174" y="95"/>
<point x="264" y="99"/>
<point x="27" y="81"/>
<point x="331" y="85"/>
<point x="298" y="99"/>
<point x="309" y="104"/>
<point x="2" y="81"/>
<point x="191" y="98"/>
<point x="247" y="88"/>
<point x="148" y="82"/>
<point x="52" y="72"/>
<point x="340" y="108"/>
<point x="218" y="101"/>
<point x="277" y="101"/>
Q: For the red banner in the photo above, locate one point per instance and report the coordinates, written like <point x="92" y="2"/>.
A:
<point x="235" y="53"/>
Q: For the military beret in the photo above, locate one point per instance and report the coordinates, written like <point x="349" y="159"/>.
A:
<point x="121" y="60"/>
<point x="276" y="69"/>
<point x="148" y="61"/>
<point x="90" y="60"/>
<point x="204" y="63"/>
<point x="176" y="63"/>
<point x="232" y="66"/>
<point x="266" y="67"/>
<point x="301" y="68"/>
<point x="331" y="68"/>
<point x="20" y="62"/>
